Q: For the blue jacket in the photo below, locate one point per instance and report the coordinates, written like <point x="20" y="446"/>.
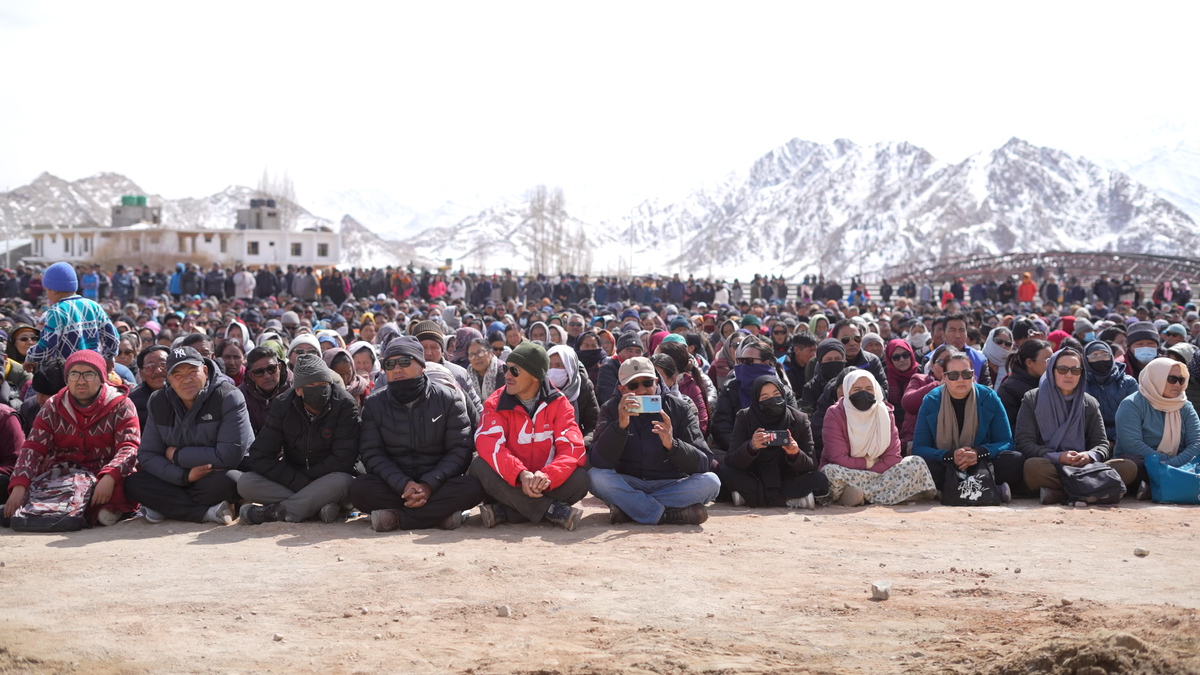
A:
<point x="1109" y="393"/>
<point x="1140" y="428"/>
<point x="994" y="435"/>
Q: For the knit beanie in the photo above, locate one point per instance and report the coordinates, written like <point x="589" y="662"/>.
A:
<point x="304" y="339"/>
<point x="628" y="339"/>
<point x="679" y="321"/>
<point x="87" y="357"/>
<point x="1142" y="330"/>
<point x="429" y="330"/>
<point x="530" y="357"/>
<point x="49" y="381"/>
<point x="60" y="277"/>
<point x="311" y="368"/>
<point x="289" y="318"/>
<point x="1084" y="326"/>
<point x="405" y="345"/>
<point x="751" y="320"/>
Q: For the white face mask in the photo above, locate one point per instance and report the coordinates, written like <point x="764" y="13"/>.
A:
<point x="558" y="377"/>
<point x="342" y="330"/>
<point x="918" y="340"/>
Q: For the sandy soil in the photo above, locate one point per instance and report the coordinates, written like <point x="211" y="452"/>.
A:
<point x="767" y="591"/>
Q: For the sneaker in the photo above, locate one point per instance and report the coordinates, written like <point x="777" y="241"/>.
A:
<point x="1143" y="491"/>
<point x="1005" y="493"/>
<point x="695" y="514"/>
<point x="852" y="496"/>
<point x="385" y="520"/>
<point x="564" y="515"/>
<point x="253" y="514"/>
<point x="492" y="515"/>
<point x="454" y="520"/>
<point x="807" y="502"/>
<point x="153" y="517"/>
<point x="616" y="516"/>
<point x="330" y="512"/>
<point x="221" y="514"/>
<point x="738" y="499"/>
<point x="108" y="517"/>
<point x="1050" y="496"/>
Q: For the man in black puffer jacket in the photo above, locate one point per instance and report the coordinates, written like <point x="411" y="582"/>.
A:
<point x="416" y="444"/>
<point x="302" y="461"/>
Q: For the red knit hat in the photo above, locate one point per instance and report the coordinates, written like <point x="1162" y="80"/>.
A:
<point x="87" y="357"/>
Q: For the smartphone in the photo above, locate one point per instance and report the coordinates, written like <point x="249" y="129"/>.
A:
<point x="648" y="404"/>
<point x="778" y="439"/>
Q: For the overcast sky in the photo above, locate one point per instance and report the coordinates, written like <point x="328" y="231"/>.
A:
<point x="612" y="101"/>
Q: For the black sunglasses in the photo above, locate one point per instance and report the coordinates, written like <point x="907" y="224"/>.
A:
<point x="964" y="374"/>
<point x="1003" y="343"/>
<point x="901" y="356"/>
<point x="402" y="361"/>
<point x="643" y="383"/>
<point x="749" y="361"/>
<point x="265" y="370"/>
<point x="1174" y="379"/>
<point x="1076" y="370"/>
<point x="847" y="338"/>
<point x="513" y="370"/>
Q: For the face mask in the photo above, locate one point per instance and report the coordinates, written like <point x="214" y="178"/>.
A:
<point x="558" y="377"/>
<point x="1089" y="337"/>
<point x="862" y="400"/>
<point x="710" y="329"/>
<point x="590" y="357"/>
<point x="772" y="407"/>
<point x="318" y="397"/>
<point x="1145" y="355"/>
<point x="1100" y="367"/>
<point x="343" y="331"/>
<point x="750" y="373"/>
<point x="830" y="369"/>
<point x="918" y="340"/>
<point x="523" y="321"/>
<point x="407" y="391"/>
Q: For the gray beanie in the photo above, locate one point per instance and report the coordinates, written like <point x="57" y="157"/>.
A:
<point x="310" y="369"/>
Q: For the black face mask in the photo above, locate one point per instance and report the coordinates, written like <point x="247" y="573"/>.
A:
<point x="590" y="357"/>
<point x="862" y="400"/>
<point x="772" y="407"/>
<point x="1100" y="367"/>
<point x="316" y="398"/>
<point x="830" y="369"/>
<point x="407" y="391"/>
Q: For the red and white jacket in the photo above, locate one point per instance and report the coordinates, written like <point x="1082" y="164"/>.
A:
<point x="511" y="442"/>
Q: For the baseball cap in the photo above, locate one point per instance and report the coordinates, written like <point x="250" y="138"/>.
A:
<point x="638" y="366"/>
<point x="181" y="355"/>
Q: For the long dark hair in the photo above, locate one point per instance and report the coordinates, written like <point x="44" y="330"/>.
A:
<point x="1028" y="352"/>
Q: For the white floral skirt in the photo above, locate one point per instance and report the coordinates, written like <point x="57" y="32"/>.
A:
<point x="898" y="484"/>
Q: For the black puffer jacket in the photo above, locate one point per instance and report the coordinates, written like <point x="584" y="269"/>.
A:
<point x="428" y="442"/>
<point x="1013" y="389"/>
<point x="293" y="450"/>
<point x="729" y="402"/>
<point x="637" y="451"/>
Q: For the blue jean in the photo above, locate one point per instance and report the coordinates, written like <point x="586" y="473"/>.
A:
<point x="645" y="500"/>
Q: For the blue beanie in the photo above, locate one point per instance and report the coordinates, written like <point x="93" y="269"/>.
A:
<point x="60" y="277"/>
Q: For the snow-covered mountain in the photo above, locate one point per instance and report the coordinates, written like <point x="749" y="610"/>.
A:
<point x="390" y="218"/>
<point x="1171" y="170"/>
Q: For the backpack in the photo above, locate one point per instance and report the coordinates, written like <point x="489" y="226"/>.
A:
<point x="974" y="487"/>
<point x="1095" y="483"/>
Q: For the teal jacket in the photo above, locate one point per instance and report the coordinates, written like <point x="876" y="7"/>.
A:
<point x="994" y="435"/>
<point x="1140" y="429"/>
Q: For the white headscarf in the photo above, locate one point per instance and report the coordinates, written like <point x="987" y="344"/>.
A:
<point x="870" y="432"/>
<point x="997" y="355"/>
<point x="1151" y="382"/>
<point x="571" y="364"/>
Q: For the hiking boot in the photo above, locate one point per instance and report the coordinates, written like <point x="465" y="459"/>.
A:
<point x="738" y="499"/>
<point x="221" y="514"/>
<point x="807" y="502"/>
<point x="454" y="520"/>
<point x="852" y="496"/>
<point x="1050" y="496"/>
<point x="564" y="515"/>
<point x="253" y="514"/>
<point x="330" y="512"/>
<point x="108" y="517"/>
<point x="695" y="514"/>
<point x="385" y="520"/>
<point x="153" y="517"/>
<point x="1005" y="493"/>
<point x="492" y="515"/>
<point x="616" y="516"/>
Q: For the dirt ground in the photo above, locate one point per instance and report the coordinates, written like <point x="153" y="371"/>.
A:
<point x="768" y="591"/>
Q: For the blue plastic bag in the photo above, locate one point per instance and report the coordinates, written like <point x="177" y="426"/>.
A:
<point x="1173" y="484"/>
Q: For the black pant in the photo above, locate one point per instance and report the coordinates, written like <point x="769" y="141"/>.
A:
<point x="371" y="493"/>
<point x="4" y="478"/>
<point x="791" y="486"/>
<point x="181" y="503"/>
<point x="521" y="506"/>
<point x="1009" y="467"/>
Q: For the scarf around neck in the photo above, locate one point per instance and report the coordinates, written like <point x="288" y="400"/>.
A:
<point x="949" y="436"/>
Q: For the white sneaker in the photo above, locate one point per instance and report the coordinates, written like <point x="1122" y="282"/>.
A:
<point x="738" y="500"/>
<point x="108" y="517"/>
<point x="221" y="514"/>
<point x="807" y="502"/>
<point x="153" y="517"/>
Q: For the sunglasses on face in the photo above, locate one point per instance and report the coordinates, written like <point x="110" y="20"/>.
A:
<point x="265" y="370"/>
<point x="1068" y="370"/>
<point x="402" y="361"/>
<point x="1174" y="379"/>
<point x="513" y="370"/>
<point x="640" y="384"/>
<point x="847" y="338"/>
<point x="964" y="374"/>
<point x="27" y="338"/>
<point x="575" y="324"/>
<point x="900" y="356"/>
<point x="749" y="361"/>
<point x="497" y="350"/>
<point x="1003" y="343"/>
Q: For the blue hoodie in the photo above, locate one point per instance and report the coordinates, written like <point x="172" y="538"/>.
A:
<point x="175" y="287"/>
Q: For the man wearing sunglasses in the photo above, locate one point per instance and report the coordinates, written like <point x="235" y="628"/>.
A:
<point x="416" y="445"/>
<point x="848" y="333"/>
<point x="152" y="366"/>
<point x="628" y="346"/>
<point x="530" y="447"/>
<point x="267" y="378"/>
<point x="962" y="423"/>
<point x="651" y="468"/>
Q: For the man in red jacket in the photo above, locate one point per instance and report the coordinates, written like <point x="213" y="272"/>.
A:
<point x="71" y="470"/>
<point x="530" y="449"/>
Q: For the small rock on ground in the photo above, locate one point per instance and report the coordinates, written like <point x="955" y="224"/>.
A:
<point x="1141" y="552"/>
<point x="503" y="611"/>
<point x="881" y="590"/>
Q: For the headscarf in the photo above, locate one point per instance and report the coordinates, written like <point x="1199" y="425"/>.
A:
<point x="655" y="340"/>
<point x="870" y="431"/>
<point x="933" y="358"/>
<point x="11" y="349"/>
<point x="812" y="325"/>
<point x="997" y="355"/>
<point x="245" y="341"/>
<point x="1151" y="383"/>
<point x="873" y="337"/>
<point x="759" y="418"/>
<point x="1056" y="338"/>
<point x="571" y="363"/>
<point x="726" y="358"/>
<point x="462" y="338"/>
<point x="1060" y="418"/>
<point x="894" y="374"/>
<point x="748" y="374"/>
<point x="359" y="385"/>
<point x="1101" y="346"/>
<point x="605" y="333"/>
<point x="356" y="347"/>
<point x="535" y="324"/>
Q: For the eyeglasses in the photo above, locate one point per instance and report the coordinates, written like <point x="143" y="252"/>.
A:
<point x="126" y="352"/>
<point x="1171" y="379"/>
<point x="154" y="367"/>
<point x="28" y="338"/>
<point x="477" y="355"/>
<point x="402" y="361"/>
<point x="88" y="376"/>
<point x="901" y="356"/>
<point x="265" y="370"/>
<point x="953" y="375"/>
<point x="513" y="370"/>
<point x="1068" y="370"/>
<point x="847" y="338"/>
<point x="749" y="361"/>
<point x="1003" y="343"/>
<point x="643" y="383"/>
<point x="574" y="324"/>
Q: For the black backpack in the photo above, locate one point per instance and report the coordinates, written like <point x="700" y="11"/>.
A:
<point x="1095" y="483"/>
